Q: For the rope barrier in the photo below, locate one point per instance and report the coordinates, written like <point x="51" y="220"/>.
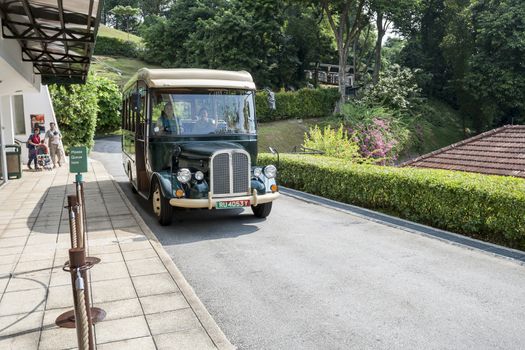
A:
<point x="73" y="228"/>
<point x="81" y="317"/>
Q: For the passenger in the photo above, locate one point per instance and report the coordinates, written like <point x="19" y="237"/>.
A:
<point x="32" y="144"/>
<point x="167" y="123"/>
<point x="204" y="125"/>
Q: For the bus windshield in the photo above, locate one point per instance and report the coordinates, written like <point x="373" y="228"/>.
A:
<point x="208" y="112"/>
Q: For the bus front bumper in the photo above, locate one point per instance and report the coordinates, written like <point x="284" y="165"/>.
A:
<point x="210" y="202"/>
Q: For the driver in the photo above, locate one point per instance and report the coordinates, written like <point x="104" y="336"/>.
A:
<point x="204" y="125"/>
<point x="167" y="123"/>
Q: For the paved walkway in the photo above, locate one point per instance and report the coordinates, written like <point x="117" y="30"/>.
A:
<point x="149" y="304"/>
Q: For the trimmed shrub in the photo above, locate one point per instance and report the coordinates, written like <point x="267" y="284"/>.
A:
<point x="109" y="101"/>
<point x="304" y="103"/>
<point x="76" y="109"/>
<point x="487" y="207"/>
<point x="334" y="142"/>
<point x="108" y="46"/>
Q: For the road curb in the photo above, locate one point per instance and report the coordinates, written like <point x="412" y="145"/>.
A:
<point x="206" y="320"/>
<point x="412" y="227"/>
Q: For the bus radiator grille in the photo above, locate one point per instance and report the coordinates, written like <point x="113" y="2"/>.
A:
<point x="230" y="173"/>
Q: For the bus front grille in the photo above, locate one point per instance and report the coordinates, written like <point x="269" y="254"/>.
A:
<point x="230" y="173"/>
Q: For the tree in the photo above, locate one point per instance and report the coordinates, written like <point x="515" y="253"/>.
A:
<point x="496" y="77"/>
<point x="125" y="17"/>
<point x="106" y="17"/>
<point x="346" y="20"/>
<point x="150" y="8"/>
<point x="165" y="37"/>
<point x="389" y="13"/>
<point x="241" y="35"/>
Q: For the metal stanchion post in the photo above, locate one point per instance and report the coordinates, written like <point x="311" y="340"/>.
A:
<point x="80" y="213"/>
<point x="94" y="315"/>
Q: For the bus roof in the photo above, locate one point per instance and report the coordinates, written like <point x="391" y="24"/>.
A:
<point x="193" y="77"/>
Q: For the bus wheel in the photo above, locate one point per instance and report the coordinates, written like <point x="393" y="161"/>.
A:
<point x="130" y="176"/>
<point x="161" y="206"/>
<point x="262" y="210"/>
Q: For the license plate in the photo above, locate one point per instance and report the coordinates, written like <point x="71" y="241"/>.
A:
<point x="232" y="204"/>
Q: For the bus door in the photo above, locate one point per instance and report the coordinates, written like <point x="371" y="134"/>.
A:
<point x="140" y="139"/>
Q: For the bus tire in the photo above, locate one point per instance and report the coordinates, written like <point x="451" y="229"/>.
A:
<point x="130" y="176"/>
<point x="262" y="210"/>
<point x="162" y="209"/>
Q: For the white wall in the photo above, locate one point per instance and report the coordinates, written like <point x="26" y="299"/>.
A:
<point x="15" y="75"/>
<point x="38" y="103"/>
<point x="7" y="120"/>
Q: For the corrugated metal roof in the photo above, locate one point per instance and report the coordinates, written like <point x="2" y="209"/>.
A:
<point x="498" y="152"/>
<point x="57" y="36"/>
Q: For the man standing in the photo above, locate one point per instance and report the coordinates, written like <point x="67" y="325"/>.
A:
<point x="53" y="137"/>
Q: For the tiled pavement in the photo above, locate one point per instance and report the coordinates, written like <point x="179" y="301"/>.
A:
<point x="149" y="304"/>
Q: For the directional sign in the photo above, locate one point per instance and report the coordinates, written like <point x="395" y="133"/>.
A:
<point x="78" y="160"/>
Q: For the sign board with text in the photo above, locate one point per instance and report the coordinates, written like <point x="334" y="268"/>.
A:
<point x="78" y="160"/>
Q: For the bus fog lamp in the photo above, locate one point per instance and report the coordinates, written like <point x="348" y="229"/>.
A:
<point x="199" y="175"/>
<point x="257" y="172"/>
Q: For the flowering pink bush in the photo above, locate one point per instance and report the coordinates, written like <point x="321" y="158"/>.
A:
<point x="376" y="140"/>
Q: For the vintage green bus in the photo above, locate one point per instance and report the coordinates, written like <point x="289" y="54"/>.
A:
<point x="189" y="140"/>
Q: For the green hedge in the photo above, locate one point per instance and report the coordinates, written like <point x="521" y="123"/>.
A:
<point x="76" y="110"/>
<point x="487" y="207"/>
<point x="108" y="46"/>
<point x="304" y="103"/>
<point x="109" y="102"/>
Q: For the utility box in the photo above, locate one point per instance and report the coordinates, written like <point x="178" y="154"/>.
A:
<point x="13" y="159"/>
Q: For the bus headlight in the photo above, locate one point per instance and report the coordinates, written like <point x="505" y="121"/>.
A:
<point x="257" y="172"/>
<point x="270" y="171"/>
<point x="199" y="175"/>
<point x="184" y="175"/>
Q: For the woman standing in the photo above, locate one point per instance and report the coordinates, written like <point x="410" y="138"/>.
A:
<point x="32" y="143"/>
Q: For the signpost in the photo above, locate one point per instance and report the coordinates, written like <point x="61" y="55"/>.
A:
<point x="78" y="160"/>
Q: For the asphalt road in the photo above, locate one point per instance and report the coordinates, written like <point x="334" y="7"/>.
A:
<point x="310" y="277"/>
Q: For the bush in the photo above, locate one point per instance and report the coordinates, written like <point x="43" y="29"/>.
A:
<point x="304" y="103"/>
<point x="334" y="142"/>
<point x="380" y="132"/>
<point x="482" y="206"/>
<point x="109" y="46"/>
<point x="76" y="109"/>
<point x="397" y="89"/>
<point x="109" y="100"/>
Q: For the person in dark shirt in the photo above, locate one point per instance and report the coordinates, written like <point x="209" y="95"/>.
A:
<point x="32" y="144"/>
<point x="204" y="125"/>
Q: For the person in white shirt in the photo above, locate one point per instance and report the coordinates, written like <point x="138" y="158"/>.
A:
<point x="53" y="137"/>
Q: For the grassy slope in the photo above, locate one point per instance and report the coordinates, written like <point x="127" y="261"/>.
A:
<point x="283" y="135"/>
<point x="119" y="69"/>
<point x="446" y="128"/>
<point x="115" y="33"/>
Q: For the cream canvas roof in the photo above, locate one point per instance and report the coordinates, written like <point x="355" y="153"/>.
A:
<point x="193" y="77"/>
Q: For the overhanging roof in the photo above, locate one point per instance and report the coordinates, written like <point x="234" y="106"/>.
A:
<point x="57" y="36"/>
